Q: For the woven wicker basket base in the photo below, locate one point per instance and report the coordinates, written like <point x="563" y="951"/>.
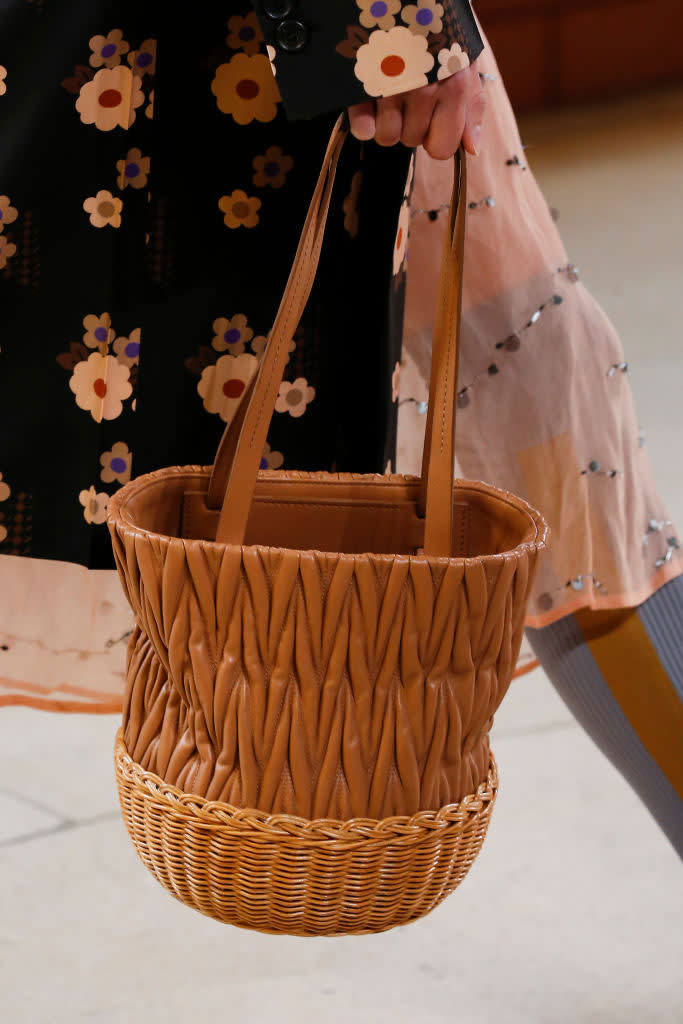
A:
<point x="284" y="875"/>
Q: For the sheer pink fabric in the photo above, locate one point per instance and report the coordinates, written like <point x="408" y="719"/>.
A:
<point x="546" y="411"/>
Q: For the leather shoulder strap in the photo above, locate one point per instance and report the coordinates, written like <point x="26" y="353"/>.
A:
<point x="235" y="470"/>
<point x="438" y="456"/>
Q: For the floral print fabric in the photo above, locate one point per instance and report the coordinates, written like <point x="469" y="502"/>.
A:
<point x="383" y="47"/>
<point x="545" y="408"/>
<point x="145" y="240"/>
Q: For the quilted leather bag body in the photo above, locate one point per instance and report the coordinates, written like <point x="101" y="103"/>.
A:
<point x="318" y="657"/>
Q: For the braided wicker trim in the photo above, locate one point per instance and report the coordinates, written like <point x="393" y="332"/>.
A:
<point x="269" y="827"/>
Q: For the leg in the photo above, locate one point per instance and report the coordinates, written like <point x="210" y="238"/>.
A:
<point x="621" y="675"/>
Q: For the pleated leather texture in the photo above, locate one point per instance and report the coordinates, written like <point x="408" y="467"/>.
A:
<point x="324" y="685"/>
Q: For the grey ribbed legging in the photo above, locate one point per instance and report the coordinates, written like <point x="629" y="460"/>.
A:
<point x="570" y="664"/>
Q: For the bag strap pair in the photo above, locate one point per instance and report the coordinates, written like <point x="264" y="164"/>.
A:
<point x="235" y="471"/>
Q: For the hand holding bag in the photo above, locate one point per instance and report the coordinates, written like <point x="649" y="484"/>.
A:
<point x="318" y="657"/>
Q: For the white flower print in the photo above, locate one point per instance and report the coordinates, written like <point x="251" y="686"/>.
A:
<point x="231" y="335"/>
<point x="378" y="13"/>
<point x="116" y="464"/>
<point x="133" y="170"/>
<point x="104" y="208"/>
<point x="222" y="386"/>
<point x="108" y="50"/>
<point x="294" y="397"/>
<point x="101" y="384"/>
<point x="423" y="17"/>
<point x="128" y="349"/>
<point x="97" y="330"/>
<point x="144" y="60"/>
<point x="453" y="60"/>
<point x="110" y="100"/>
<point x="94" y="506"/>
<point x="393" y="62"/>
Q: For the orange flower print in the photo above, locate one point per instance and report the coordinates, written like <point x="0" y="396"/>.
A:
<point x="378" y="13"/>
<point x="271" y="459"/>
<point x="116" y="464"/>
<point x="110" y="100"/>
<point x="128" y="349"/>
<point x="98" y="331"/>
<point x="104" y="208"/>
<point x="395" y="380"/>
<point x="108" y="50"/>
<point x="8" y="213"/>
<point x="144" y="60"/>
<point x="94" y="506"/>
<point x="350" y="205"/>
<point x="222" y="386"/>
<point x="453" y="60"/>
<point x="3" y="76"/>
<point x="246" y="89"/>
<point x="423" y="17"/>
<point x="271" y="169"/>
<point x="231" y="335"/>
<point x="393" y="62"/>
<point x="294" y="397"/>
<point x="149" y="109"/>
<point x="244" y="33"/>
<point x="133" y="170"/>
<point x="101" y="384"/>
<point x="240" y="210"/>
<point x="401" y="243"/>
<point x="7" y="251"/>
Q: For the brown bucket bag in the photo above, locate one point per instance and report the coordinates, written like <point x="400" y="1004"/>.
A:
<point x="317" y="658"/>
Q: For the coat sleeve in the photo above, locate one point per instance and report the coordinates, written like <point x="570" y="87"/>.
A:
<point x="330" y="54"/>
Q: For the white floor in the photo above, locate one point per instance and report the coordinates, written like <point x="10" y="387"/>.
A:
<point x="572" y="912"/>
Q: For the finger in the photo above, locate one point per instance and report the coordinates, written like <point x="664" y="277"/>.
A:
<point x="474" y="119"/>
<point x="389" y="120"/>
<point x="362" y="121"/>
<point x="418" y="107"/>
<point x="448" y="119"/>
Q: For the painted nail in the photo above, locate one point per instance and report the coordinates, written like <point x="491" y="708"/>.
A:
<point x="476" y="137"/>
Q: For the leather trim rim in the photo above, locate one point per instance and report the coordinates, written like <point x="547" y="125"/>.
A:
<point x="117" y="517"/>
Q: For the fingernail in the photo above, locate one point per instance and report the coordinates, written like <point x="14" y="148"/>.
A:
<point x="475" y="137"/>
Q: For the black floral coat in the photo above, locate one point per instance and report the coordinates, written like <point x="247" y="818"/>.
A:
<point x="155" y="169"/>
